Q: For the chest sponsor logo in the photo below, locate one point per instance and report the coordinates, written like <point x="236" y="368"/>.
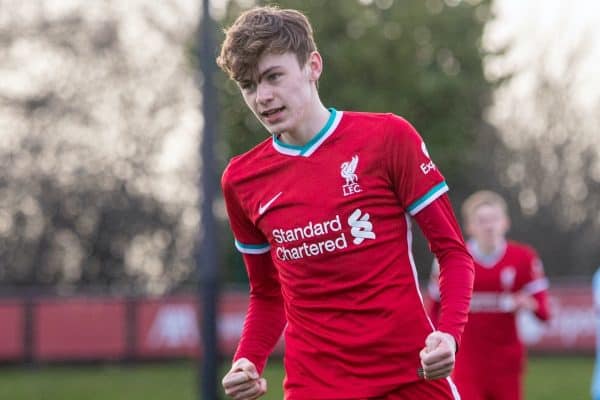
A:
<point x="348" y="172"/>
<point x="428" y="166"/>
<point x="304" y="241"/>
<point x="492" y="302"/>
<point x="361" y="227"/>
<point x="263" y="207"/>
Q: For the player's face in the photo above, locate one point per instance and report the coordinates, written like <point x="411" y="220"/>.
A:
<point x="282" y="93"/>
<point x="488" y="224"/>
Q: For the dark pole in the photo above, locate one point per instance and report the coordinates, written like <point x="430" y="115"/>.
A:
<point x="206" y="257"/>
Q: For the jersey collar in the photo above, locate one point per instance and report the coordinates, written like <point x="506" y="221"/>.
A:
<point x="486" y="260"/>
<point x="313" y="144"/>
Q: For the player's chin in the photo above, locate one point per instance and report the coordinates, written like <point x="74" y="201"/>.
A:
<point x="275" y="129"/>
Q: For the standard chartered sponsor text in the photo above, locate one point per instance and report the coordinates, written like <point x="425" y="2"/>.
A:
<point x="310" y="230"/>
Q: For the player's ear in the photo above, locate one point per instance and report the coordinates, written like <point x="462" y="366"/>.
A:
<point x="314" y="66"/>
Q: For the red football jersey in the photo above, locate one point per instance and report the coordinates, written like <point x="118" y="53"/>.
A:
<point x="334" y="215"/>
<point x="490" y="343"/>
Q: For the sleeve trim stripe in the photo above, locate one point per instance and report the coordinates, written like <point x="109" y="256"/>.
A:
<point x="252" y="248"/>
<point x="428" y="198"/>
<point x="536" y="286"/>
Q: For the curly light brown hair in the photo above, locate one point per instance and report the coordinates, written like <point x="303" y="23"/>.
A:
<point x="264" y="30"/>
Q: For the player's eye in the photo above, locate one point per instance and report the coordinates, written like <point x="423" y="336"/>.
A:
<point x="274" y="76"/>
<point x="247" y="85"/>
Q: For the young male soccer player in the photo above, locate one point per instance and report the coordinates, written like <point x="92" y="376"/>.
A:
<point x="508" y="278"/>
<point x="321" y="212"/>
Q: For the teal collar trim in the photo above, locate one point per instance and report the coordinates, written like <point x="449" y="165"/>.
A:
<point x="313" y="144"/>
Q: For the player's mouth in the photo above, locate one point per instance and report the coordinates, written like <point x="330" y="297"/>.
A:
<point x="272" y="115"/>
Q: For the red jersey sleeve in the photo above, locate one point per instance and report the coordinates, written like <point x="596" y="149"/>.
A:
<point x="414" y="177"/>
<point x="248" y="238"/>
<point x="438" y="223"/>
<point x="536" y="284"/>
<point x="265" y="318"/>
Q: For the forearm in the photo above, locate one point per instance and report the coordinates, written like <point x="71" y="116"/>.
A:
<point x="262" y="329"/>
<point x="537" y="291"/>
<point x="265" y="318"/>
<point x="542" y="309"/>
<point x="456" y="265"/>
<point x="456" y="286"/>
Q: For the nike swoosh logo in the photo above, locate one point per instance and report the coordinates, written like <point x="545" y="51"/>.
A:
<point x="263" y="208"/>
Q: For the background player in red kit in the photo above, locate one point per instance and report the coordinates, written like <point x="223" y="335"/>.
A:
<point x="508" y="277"/>
<point x="321" y="212"/>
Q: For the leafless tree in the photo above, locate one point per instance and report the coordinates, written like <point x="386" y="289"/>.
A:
<point x="99" y="124"/>
<point x="546" y="119"/>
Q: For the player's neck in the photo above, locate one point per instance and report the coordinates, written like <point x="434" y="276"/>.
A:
<point x="314" y="120"/>
<point x="490" y="248"/>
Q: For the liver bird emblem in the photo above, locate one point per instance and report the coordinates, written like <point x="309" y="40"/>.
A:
<point x="348" y="170"/>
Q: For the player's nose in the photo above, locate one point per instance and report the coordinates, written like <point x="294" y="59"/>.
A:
<point x="264" y="94"/>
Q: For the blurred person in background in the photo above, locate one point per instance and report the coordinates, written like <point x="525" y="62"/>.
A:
<point x="596" y="296"/>
<point x="509" y="277"/>
<point x="321" y="213"/>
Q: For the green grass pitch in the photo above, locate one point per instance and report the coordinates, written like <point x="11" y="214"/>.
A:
<point x="548" y="378"/>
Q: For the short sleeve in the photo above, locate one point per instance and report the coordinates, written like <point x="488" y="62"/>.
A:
<point x="248" y="238"/>
<point x="415" y="178"/>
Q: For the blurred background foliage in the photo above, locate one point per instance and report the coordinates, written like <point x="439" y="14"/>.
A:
<point x="100" y="128"/>
<point x="419" y="59"/>
<point x="544" y="149"/>
<point x="99" y="125"/>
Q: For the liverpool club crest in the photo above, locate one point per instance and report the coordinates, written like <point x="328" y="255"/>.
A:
<point x="348" y="172"/>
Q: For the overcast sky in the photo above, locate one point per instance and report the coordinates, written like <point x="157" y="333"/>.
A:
<point x="550" y="29"/>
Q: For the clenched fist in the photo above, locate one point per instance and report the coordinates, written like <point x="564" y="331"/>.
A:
<point x="437" y="357"/>
<point x="243" y="382"/>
